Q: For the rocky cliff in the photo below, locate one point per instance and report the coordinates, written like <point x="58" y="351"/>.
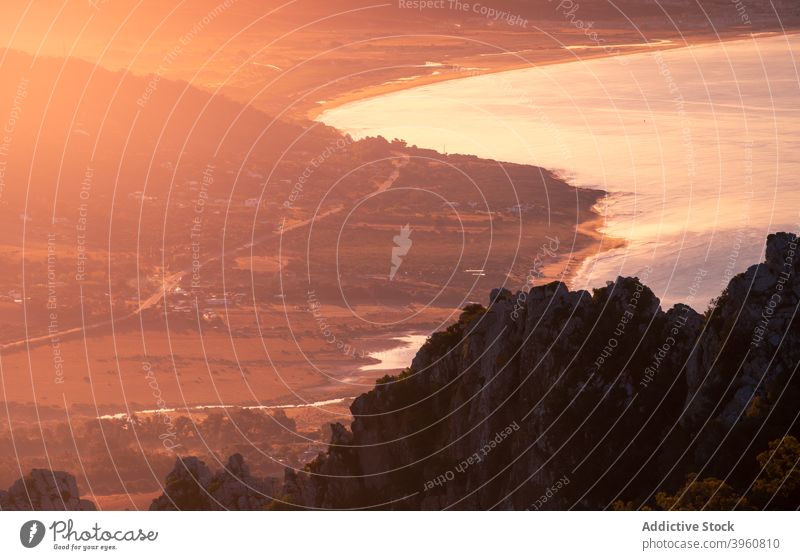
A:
<point x="44" y="490"/>
<point x="553" y="399"/>
<point x="569" y="399"/>
<point x="192" y="486"/>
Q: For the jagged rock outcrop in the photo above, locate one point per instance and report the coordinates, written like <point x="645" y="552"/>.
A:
<point x="191" y="486"/>
<point x="551" y="399"/>
<point x="44" y="490"/>
<point x="565" y="399"/>
<point x="743" y="383"/>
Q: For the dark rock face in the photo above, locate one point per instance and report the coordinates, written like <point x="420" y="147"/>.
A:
<point x="44" y="490"/>
<point x="192" y="486"/>
<point x="551" y="399"/>
<point x="582" y="399"/>
<point x="743" y="378"/>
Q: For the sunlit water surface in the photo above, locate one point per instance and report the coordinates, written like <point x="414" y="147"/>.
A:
<point x="698" y="148"/>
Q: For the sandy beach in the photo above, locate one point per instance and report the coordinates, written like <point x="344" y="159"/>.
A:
<point x="506" y="62"/>
<point x="196" y="262"/>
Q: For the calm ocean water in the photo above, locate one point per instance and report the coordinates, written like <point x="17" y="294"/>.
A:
<point x="699" y="149"/>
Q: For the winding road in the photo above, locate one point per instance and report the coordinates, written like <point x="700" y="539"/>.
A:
<point x="171" y="281"/>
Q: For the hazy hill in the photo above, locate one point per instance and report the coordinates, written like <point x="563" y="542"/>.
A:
<point x="130" y="130"/>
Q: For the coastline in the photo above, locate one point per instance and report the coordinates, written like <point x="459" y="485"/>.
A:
<point x="600" y="243"/>
<point x="563" y="56"/>
<point x="590" y="240"/>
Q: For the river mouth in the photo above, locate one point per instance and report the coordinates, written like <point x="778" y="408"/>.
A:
<point x="696" y="147"/>
<point x="396" y="358"/>
<point x="212" y="407"/>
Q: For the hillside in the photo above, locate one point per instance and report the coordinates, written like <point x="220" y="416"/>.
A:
<point x="556" y="400"/>
<point x="593" y="400"/>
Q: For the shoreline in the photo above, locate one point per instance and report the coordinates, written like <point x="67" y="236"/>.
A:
<point x="568" y="55"/>
<point x="564" y="269"/>
<point x="600" y="243"/>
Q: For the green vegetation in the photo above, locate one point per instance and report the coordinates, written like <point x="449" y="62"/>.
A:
<point x="775" y="488"/>
<point x="696" y="495"/>
<point x="440" y="343"/>
<point x="780" y="475"/>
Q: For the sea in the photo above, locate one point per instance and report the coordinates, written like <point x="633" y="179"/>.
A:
<point x="697" y="148"/>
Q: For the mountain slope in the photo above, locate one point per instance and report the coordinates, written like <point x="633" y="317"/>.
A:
<point x="583" y="399"/>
